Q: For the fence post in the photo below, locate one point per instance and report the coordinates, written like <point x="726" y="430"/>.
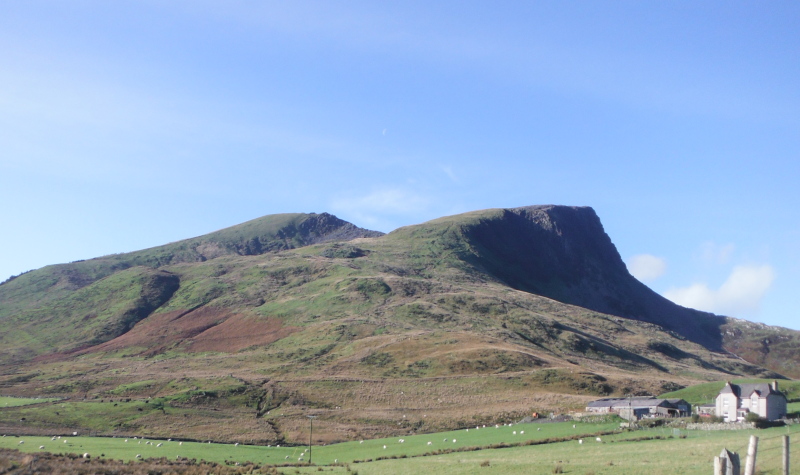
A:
<point x="718" y="466"/>
<point x="785" y="455"/>
<point x="731" y="464"/>
<point x="752" y="450"/>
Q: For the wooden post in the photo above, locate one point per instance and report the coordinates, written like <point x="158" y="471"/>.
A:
<point x="752" y="450"/>
<point x="719" y="466"/>
<point x="785" y="455"/>
<point x="730" y="460"/>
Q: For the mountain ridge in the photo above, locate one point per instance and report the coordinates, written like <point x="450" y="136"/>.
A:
<point x="533" y="302"/>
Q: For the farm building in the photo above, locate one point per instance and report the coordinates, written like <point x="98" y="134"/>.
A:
<point x="735" y="401"/>
<point x="635" y="408"/>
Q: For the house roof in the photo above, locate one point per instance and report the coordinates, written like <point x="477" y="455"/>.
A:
<point x="633" y="402"/>
<point x="745" y="390"/>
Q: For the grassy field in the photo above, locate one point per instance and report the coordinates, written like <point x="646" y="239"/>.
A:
<point x="707" y="392"/>
<point x="6" y="401"/>
<point x="655" y="451"/>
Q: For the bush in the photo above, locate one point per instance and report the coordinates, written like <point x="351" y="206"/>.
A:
<point x="695" y="418"/>
<point x="752" y="417"/>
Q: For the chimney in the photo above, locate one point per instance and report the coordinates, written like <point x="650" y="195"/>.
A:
<point x="774" y="386"/>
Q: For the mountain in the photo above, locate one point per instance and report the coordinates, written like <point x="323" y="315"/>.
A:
<point x="241" y="333"/>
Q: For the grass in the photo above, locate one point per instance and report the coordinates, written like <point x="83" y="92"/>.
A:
<point x="6" y="401"/>
<point x="652" y="451"/>
<point x="707" y="392"/>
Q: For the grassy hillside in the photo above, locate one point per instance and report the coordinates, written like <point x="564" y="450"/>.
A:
<point x="706" y="393"/>
<point x="244" y="332"/>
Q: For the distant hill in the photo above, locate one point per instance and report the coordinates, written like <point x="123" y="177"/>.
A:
<point x="479" y="316"/>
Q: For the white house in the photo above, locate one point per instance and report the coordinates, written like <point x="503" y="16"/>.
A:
<point x="735" y="401"/>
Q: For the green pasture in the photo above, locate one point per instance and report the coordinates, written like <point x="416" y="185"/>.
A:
<point x="7" y="401"/>
<point x="653" y="451"/>
<point x="415" y="445"/>
<point x="707" y="392"/>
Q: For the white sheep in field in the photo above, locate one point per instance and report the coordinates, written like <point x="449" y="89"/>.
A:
<point x="360" y="442"/>
<point x="86" y="455"/>
<point x="236" y="444"/>
<point x="573" y="426"/>
<point x="52" y="438"/>
<point x="159" y="445"/>
<point x="65" y="441"/>
<point x="580" y="441"/>
<point x="515" y="432"/>
<point x="21" y="442"/>
<point x="138" y="456"/>
<point x="384" y="447"/>
<point x="522" y="432"/>
<point x="454" y="441"/>
<point x="445" y="439"/>
<point x="335" y="460"/>
<point x="126" y="441"/>
<point x="538" y="428"/>
<point x="300" y="459"/>
<point x="429" y="442"/>
<point x="41" y="447"/>
<point x="599" y="439"/>
<point x="180" y="443"/>
<point x="286" y="458"/>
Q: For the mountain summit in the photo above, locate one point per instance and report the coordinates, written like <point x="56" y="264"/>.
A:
<point x="477" y="316"/>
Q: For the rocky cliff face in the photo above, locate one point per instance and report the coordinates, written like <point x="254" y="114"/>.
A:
<point x="563" y="253"/>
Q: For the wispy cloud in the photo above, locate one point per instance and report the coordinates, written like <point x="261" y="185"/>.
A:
<point x="739" y="296"/>
<point x="382" y="208"/>
<point x="646" y="267"/>
<point x="713" y="253"/>
<point x="449" y="172"/>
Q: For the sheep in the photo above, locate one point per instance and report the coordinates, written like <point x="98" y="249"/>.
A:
<point x="41" y="447"/>
<point x="515" y="432"/>
<point x="140" y="442"/>
<point x="599" y="439"/>
<point x="300" y="459"/>
<point x="180" y="443"/>
<point x="52" y="438"/>
<point x="360" y="442"/>
<point x="384" y="447"/>
<point x="65" y="441"/>
<point x="159" y="445"/>
<point x="138" y="456"/>
<point x="573" y="426"/>
<point x="445" y="439"/>
<point x="236" y="444"/>
<point x="86" y="455"/>
<point x="497" y="426"/>
<point x="126" y="441"/>
<point x="538" y="429"/>
<point x="286" y="458"/>
<point x="454" y="441"/>
<point x="580" y="441"/>
<point x="335" y="460"/>
<point x="21" y="442"/>
<point x="430" y="443"/>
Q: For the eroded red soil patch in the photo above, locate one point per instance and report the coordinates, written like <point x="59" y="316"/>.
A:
<point x="203" y="329"/>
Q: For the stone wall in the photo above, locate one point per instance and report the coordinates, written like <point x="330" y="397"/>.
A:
<point x="720" y="426"/>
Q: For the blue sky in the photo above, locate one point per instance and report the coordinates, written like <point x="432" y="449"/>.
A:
<point x="125" y="125"/>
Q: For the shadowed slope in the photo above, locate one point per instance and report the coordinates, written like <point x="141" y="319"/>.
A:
<point x="562" y="253"/>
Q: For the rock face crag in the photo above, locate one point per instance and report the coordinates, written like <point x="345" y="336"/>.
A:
<point x="563" y="253"/>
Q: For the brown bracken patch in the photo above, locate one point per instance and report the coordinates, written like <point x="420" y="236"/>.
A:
<point x="203" y="329"/>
